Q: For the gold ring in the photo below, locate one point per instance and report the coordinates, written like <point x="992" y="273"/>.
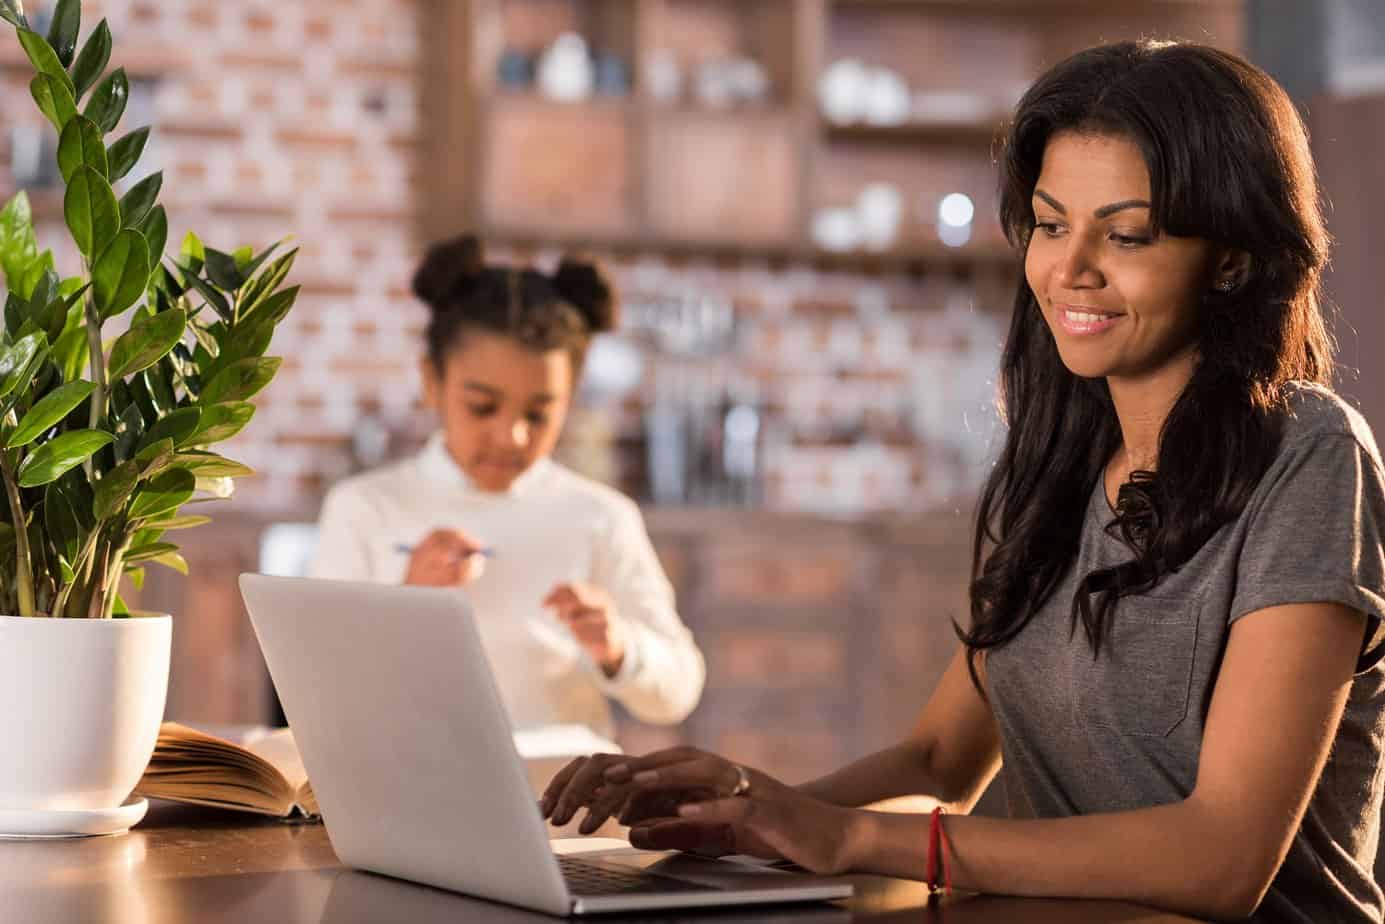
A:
<point x="742" y="781"/>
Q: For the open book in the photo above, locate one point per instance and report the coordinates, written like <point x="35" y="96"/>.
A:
<point x="263" y="772"/>
<point x="263" y="775"/>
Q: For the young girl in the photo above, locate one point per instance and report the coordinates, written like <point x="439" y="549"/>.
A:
<point x="1179" y="578"/>
<point x="569" y="597"/>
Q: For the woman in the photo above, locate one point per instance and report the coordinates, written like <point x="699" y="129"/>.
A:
<point x="1178" y="581"/>
<point x="572" y="604"/>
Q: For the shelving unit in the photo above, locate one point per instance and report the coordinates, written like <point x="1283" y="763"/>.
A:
<point x="638" y="173"/>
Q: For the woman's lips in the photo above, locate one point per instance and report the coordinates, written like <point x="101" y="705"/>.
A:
<point x="1082" y="320"/>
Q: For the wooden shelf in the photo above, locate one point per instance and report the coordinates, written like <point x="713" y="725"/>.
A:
<point x="535" y="102"/>
<point x="730" y="251"/>
<point x="916" y="132"/>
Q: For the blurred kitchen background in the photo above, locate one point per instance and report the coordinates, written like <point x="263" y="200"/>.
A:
<point x="797" y="198"/>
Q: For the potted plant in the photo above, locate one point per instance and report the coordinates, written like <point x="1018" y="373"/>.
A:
<point x="114" y="383"/>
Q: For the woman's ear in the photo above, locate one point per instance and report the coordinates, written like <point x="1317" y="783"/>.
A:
<point x="432" y="383"/>
<point x="1231" y="271"/>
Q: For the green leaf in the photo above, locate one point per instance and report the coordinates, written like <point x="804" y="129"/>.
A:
<point x="126" y="152"/>
<point x="62" y="34"/>
<point x="223" y="421"/>
<point x="163" y="494"/>
<point x="12" y="14"/>
<point x="107" y="103"/>
<point x="192" y="255"/>
<point x="54" y="99"/>
<point x="136" y="203"/>
<point x="115" y="488"/>
<point x="146" y="342"/>
<point x="156" y="381"/>
<point x="120" y="273"/>
<point x="175" y="561"/>
<point x="58" y="315"/>
<point x="136" y="576"/>
<point x="210" y="465"/>
<point x="129" y="424"/>
<point x="44" y="58"/>
<point x="251" y="266"/>
<point x="261" y="286"/>
<point x="241" y="380"/>
<point x="65" y="451"/>
<point x="71" y="352"/>
<point x="80" y="144"/>
<point x="17" y="362"/>
<point x="46" y="414"/>
<point x="79" y="492"/>
<point x="149" y="551"/>
<point x="18" y="245"/>
<point x="187" y="522"/>
<point x="155" y="456"/>
<point x="38" y="271"/>
<point x="91" y="212"/>
<point x="155" y="231"/>
<point x="222" y="270"/>
<point x="91" y="63"/>
<point x="60" y="520"/>
<point x="213" y="297"/>
<point x="178" y="426"/>
<point x="274" y="309"/>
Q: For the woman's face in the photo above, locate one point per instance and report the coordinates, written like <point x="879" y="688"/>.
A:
<point x="1121" y="303"/>
<point x="502" y="405"/>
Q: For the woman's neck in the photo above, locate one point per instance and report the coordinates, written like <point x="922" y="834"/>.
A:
<point x="1142" y="406"/>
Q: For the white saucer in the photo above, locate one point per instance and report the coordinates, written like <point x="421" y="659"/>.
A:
<point x="29" y="824"/>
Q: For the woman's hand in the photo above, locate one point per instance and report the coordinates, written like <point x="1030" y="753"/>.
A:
<point x="686" y="799"/>
<point x="445" y="558"/>
<point x="591" y="617"/>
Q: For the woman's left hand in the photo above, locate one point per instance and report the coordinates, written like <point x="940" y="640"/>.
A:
<point x="591" y="616"/>
<point x="686" y="799"/>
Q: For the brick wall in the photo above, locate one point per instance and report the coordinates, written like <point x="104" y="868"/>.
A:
<point x="302" y="118"/>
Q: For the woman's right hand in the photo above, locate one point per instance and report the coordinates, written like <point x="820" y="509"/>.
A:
<point x="445" y="558"/>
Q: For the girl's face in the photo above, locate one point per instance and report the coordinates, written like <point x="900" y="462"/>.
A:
<point x="1121" y="302"/>
<point x="502" y="405"/>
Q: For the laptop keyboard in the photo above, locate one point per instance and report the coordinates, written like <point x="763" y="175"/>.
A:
<point x="585" y="877"/>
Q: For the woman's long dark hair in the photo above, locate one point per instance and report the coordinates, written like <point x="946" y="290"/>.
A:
<point x="1228" y="162"/>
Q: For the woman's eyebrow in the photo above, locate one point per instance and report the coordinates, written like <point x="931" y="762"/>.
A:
<point x="1104" y="211"/>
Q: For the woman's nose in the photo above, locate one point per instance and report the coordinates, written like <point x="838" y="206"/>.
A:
<point x="1077" y="268"/>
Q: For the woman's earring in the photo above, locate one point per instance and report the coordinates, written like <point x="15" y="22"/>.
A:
<point x="1225" y="286"/>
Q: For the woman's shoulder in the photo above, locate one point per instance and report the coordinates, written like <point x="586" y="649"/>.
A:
<point x="1314" y="412"/>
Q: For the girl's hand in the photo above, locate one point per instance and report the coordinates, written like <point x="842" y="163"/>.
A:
<point x="686" y="799"/>
<point x="592" y="619"/>
<point x="445" y="558"/>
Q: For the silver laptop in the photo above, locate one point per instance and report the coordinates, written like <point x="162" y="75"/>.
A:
<point x="413" y="763"/>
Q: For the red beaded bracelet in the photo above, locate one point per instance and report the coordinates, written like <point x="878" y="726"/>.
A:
<point x="938" y="844"/>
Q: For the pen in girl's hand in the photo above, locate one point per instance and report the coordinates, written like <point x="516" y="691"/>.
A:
<point x="404" y="548"/>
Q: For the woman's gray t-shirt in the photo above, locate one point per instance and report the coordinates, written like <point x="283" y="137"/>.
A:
<point x="1124" y="731"/>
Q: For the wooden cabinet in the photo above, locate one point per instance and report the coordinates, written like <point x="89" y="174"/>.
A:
<point x="655" y="161"/>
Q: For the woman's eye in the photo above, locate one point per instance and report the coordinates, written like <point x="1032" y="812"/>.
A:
<point x="1049" y="228"/>
<point x="1131" y="240"/>
<point x="480" y="410"/>
<point x="536" y="418"/>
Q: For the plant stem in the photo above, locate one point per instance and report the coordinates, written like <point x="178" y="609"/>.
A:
<point x="23" y="567"/>
<point x="81" y="569"/>
<point x="98" y="364"/>
<point x="110" y="591"/>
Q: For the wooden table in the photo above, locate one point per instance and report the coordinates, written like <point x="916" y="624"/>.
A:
<point x="189" y="864"/>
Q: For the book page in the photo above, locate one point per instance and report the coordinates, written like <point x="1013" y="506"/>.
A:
<point x="278" y="748"/>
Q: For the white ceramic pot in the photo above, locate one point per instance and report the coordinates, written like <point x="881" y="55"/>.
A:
<point x="82" y="703"/>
